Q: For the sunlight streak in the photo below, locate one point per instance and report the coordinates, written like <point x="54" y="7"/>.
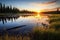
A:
<point x="38" y="15"/>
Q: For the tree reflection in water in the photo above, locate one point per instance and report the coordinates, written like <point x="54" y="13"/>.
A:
<point x="5" y="19"/>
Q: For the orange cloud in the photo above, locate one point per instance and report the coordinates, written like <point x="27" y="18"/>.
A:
<point x="51" y="2"/>
<point x="44" y="4"/>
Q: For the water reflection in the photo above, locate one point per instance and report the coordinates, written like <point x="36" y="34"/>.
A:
<point x="29" y="21"/>
<point x="6" y="19"/>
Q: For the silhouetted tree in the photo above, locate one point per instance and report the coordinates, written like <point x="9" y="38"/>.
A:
<point x="8" y="9"/>
<point x="58" y="9"/>
<point x="0" y="7"/>
<point x="3" y="10"/>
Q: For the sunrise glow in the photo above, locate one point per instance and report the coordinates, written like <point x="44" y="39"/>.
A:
<point x="38" y="15"/>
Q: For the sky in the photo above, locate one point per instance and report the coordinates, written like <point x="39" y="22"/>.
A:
<point x="32" y="5"/>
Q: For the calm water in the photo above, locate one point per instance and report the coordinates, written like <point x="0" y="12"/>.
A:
<point x="29" y="21"/>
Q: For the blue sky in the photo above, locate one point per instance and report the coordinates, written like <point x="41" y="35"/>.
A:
<point x="32" y="5"/>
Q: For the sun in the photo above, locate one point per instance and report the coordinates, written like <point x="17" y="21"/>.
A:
<point x="38" y="11"/>
<point x="38" y="15"/>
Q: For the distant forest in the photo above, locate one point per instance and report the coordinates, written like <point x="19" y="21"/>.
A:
<point x="10" y="9"/>
<point x="53" y="12"/>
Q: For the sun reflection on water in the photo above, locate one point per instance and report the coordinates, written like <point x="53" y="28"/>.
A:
<point x="38" y="15"/>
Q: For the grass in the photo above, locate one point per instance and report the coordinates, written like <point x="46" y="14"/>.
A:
<point x="7" y="37"/>
<point x="51" y="33"/>
<point x="54" y="17"/>
<point x="55" y="21"/>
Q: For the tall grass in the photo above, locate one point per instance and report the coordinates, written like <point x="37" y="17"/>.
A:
<point x="46" y="34"/>
<point x="7" y="37"/>
<point x="50" y="33"/>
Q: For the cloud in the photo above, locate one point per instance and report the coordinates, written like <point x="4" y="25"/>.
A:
<point x="51" y="2"/>
<point x="43" y="4"/>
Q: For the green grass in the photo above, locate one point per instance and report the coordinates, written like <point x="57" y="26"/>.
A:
<point x="46" y="35"/>
<point x="54" y="18"/>
<point x="51" y="33"/>
<point x="55" y="21"/>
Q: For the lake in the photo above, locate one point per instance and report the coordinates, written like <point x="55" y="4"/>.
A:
<point x="10" y="24"/>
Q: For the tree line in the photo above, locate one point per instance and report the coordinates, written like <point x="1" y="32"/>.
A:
<point x="53" y="12"/>
<point x="8" y="9"/>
